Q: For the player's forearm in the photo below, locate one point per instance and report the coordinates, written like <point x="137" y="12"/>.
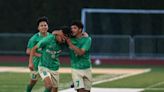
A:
<point x="57" y="32"/>
<point x="28" y="51"/>
<point x="32" y="53"/>
<point x="30" y="58"/>
<point x="77" y="50"/>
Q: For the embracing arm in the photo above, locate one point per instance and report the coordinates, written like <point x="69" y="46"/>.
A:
<point x="57" y="32"/>
<point x="77" y="50"/>
<point x="85" y="34"/>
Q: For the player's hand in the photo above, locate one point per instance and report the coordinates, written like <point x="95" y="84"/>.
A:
<point x="57" y="32"/>
<point x="68" y="41"/>
<point x="31" y="66"/>
<point x="84" y="34"/>
<point x="38" y="54"/>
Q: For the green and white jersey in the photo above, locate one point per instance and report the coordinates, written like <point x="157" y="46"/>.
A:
<point x="31" y="43"/>
<point x="51" y="50"/>
<point x="84" y="61"/>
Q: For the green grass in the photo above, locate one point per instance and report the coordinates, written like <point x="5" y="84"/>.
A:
<point x="139" y="81"/>
<point x="17" y="81"/>
<point x="153" y="91"/>
<point x="14" y="81"/>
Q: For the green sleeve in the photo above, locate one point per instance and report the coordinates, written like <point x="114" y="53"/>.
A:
<point x="31" y="43"/>
<point x="87" y="44"/>
<point x="43" y="42"/>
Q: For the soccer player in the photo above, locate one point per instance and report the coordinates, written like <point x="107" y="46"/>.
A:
<point x="49" y="60"/>
<point x="80" y="58"/>
<point x="42" y="26"/>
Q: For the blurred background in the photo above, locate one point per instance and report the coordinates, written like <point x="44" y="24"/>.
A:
<point x="134" y="33"/>
<point x="126" y="35"/>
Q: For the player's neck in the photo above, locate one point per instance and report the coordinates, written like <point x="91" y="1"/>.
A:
<point x="44" y="34"/>
<point x="79" y="35"/>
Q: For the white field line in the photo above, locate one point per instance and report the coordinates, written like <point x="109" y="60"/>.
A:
<point x="155" y="89"/>
<point x="67" y="85"/>
<point x="108" y="90"/>
<point x="157" y="84"/>
<point x="154" y="85"/>
<point x="121" y="77"/>
<point x="116" y="78"/>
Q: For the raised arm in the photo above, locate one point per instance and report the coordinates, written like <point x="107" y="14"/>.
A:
<point x="84" y="46"/>
<point x="57" y="32"/>
<point x="77" y="50"/>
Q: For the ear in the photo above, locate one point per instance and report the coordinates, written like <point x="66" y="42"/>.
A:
<point x="81" y="30"/>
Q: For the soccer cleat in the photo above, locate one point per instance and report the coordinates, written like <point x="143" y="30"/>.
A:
<point x="72" y="85"/>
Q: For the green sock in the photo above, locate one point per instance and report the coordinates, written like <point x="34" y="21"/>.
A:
<point x="47" y="90"/>
<point x="29" y="88"/>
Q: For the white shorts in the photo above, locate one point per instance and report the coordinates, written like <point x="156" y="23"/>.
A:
<point x="54" y="75"/>
<point x="82" y="78"/>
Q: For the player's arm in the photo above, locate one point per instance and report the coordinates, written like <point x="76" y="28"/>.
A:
<point x="28" y="50"/>
<point x="77" y="50"/>
<point x="80" y="51"/>
<point x="40" y="44"/>
<point x="57" y="32"/>
<point x="32" y="53"/>
<point x="85" y="34"/>
<point x="31" y="44"/>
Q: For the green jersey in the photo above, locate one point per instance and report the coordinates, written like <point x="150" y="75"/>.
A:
<point x="31" y="43"/>
<point x="84" y="61"/>
<point x="51" y="50"/>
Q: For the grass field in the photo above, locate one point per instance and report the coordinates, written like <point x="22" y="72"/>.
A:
<point x="152" y="81"/>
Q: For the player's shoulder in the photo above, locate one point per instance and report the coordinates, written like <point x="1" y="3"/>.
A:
<point x="48" y="33"/>
<point x="87" y="38"/>
<point x="35" y="36"/>
<point x="50" y="36"/>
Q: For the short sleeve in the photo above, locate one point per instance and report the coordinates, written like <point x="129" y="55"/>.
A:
<point x="44" y="41"/>
<point x="87" y="44"/>
<point x="31" y="43"/>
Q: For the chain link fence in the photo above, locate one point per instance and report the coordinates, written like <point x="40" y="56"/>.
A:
<point x="107" y="46"/>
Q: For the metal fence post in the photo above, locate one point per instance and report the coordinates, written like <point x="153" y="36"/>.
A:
<point x="132" y="47"/>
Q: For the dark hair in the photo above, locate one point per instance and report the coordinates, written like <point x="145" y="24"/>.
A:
<point x="66" y="30"/>
<point x="40" y="19"/>
<point x="78" y="24"/>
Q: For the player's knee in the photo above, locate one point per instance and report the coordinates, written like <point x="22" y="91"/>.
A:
<point x="48" y="83"/>
<point x="48" y="86"/>
<point x="81" y="90"/>
<point x="54" y="89"/>
<point x="33" y="82"/>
